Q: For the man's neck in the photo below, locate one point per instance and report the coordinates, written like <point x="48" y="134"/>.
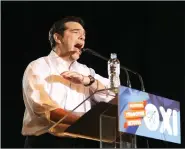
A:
<point x="65" y="57"/>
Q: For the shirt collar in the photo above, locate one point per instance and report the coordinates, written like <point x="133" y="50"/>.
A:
<point x="58" y="60"/>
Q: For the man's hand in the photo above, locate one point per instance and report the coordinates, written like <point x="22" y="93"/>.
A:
<point x="75" y="77"/>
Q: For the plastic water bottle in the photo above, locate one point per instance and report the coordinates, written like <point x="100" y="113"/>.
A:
<point x="114" y="72"/>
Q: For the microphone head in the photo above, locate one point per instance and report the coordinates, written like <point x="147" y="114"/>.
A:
<point x="84" y="49"/>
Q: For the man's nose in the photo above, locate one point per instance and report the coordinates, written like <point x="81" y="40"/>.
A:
<point x="82" y="37"/>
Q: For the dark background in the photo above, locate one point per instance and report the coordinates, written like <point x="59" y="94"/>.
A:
<point x="147" y="36"/>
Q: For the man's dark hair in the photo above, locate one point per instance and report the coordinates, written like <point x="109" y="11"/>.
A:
<point x="59" y="27"/>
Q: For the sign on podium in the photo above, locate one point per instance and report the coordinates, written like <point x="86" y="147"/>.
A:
<point x="148" y="115"/>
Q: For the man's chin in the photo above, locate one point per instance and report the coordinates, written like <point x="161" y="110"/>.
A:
<point x="75" y="56"/>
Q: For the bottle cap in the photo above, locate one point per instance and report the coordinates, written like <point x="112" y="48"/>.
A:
<point x="113" y="55"/>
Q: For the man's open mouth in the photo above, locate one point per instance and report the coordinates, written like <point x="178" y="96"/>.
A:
<point x="79" y="46"/>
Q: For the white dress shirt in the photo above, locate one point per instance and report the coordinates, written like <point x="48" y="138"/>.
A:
<point x="44" y="90"/>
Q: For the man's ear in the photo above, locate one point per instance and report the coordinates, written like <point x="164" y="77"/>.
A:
<point x="57" y="37"/>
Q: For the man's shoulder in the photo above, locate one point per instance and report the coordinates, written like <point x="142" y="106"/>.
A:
<point x="38" y="64"/>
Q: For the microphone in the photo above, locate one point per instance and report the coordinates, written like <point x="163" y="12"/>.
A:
<point x="122" y="67"/>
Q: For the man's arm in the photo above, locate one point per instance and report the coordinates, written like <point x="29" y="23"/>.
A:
<point x="97" y="85"/>
<point x="102" y="83"/>
<point x="59" y="113"/>
<point x="81" y="79"/>
<point x="40" y="102"/>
